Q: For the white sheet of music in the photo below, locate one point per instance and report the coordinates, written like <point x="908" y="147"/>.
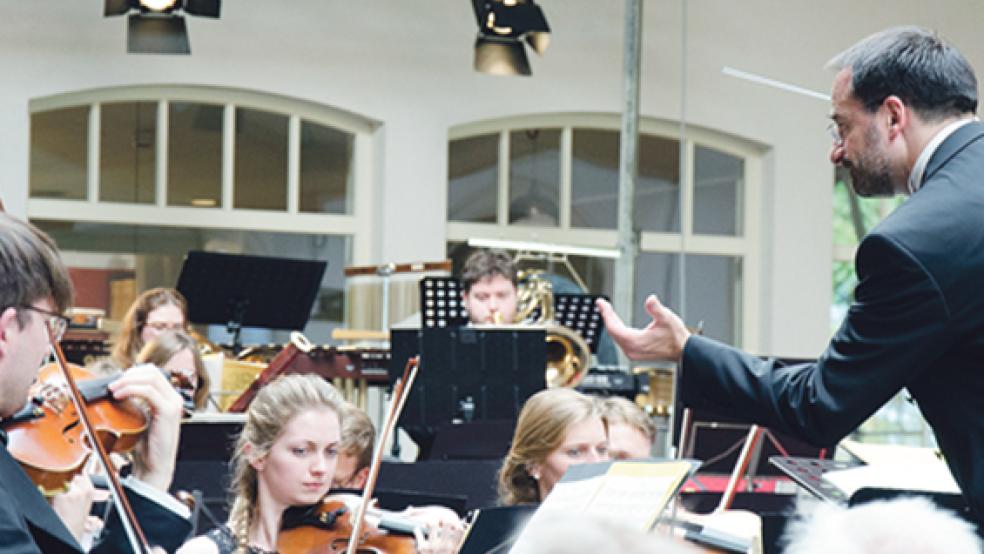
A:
<point x="927" y="477"/>
<point x="634" y="493"/>
<point x="632" y="499"/>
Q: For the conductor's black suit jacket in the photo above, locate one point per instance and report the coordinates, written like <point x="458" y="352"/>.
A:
<point x="917" y="322"/>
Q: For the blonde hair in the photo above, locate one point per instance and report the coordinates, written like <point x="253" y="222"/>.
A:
<point x="129" y="343"/>
<point x="616" y="409"/>
<point x="165" y="346"/>
<point x="274" y="406"/>
<point x="358" y="435"/>
<point x="541" y="428"/>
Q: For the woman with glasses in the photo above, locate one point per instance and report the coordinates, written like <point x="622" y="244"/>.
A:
<point x="153" y="312"/>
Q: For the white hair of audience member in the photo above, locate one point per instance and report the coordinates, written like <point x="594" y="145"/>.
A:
<point x="911" y="525"/>
<point x="580" y="534"/>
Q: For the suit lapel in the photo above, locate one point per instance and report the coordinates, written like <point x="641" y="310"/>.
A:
<point x="952" y="146"/>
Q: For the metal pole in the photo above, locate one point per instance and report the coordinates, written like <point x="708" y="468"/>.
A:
<point x="684" y="169"/>
<point x="628" y="237"/>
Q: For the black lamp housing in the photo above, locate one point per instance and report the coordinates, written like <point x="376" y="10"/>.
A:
<point x="161" y="31"/>
<point x="503" y="25"/>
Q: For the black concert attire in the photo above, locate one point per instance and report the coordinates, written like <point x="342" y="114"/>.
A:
<point x="917" y="322"/>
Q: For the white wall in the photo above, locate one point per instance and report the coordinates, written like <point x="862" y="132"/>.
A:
<point x="408" y="66"/>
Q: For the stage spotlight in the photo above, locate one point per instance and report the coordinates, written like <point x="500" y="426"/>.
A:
<point x="503" y="25"/>
<point x="157" y="26"/>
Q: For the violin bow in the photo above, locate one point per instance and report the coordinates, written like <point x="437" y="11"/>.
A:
<point x="400" y="393"/>
<point x="135" y="535"/>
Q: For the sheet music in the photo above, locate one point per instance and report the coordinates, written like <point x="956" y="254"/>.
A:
<point x="915" y="477"/>
<point x="632" y="492"/>
<point x="632" y="500"/>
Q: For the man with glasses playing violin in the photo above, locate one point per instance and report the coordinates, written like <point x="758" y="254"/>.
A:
<point x="34" y="291"/>
<point x="903" y="104"/>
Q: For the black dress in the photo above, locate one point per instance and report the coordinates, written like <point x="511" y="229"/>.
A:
<point x="226" y="542"/>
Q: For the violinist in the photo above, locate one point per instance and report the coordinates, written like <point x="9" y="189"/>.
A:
<point x="284" y="457"/>
<point x="556" y="428"/>
<point x="355" y="450"/>
<point x="153" y="312"/>
<point x="352" y="471"/>
<point x="176" y="352"/>
<point x="34" y="292"/>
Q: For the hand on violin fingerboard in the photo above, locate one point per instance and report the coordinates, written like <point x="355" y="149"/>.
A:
<point x="155" y="456"/>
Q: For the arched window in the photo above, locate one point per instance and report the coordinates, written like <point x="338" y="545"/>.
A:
<point x="129" y="179"/>
<point x="554" y="179"/>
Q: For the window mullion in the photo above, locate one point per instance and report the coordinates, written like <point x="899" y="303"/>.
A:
<point x="687" y="193"/>
<point x="503" y="208"/>
<point x="228" y="155"/>
<point x="566" y="170"/>
<point x="160" y="174"/>
<point x="293" y="164"/>
<point x="93" y="152"/>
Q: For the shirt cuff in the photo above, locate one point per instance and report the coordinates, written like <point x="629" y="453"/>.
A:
<point x="157" y="496"/>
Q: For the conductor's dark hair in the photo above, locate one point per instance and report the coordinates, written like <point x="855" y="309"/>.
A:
<point x="924" y="71"/>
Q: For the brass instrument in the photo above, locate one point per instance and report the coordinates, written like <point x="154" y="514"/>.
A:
<point x="568" y="354"/>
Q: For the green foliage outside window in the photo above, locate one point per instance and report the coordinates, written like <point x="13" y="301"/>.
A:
<point x="853" y="217"/>
<point x="898" y="421"/>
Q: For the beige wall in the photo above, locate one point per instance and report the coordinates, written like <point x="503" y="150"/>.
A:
<point x="407" y="66"/>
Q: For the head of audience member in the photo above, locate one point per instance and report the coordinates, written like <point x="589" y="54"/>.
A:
<point x="153" y="312"/>
<point x="631" y="432"/>
<point x="557" y="428"/>
<point x="582" y="534"/>
<point x="912" y="525"/>
<point x="286" y="452"/>
<point x="355" y="449"/>
<point x="489" y="287"/>
<point x="176" y="352"/>
<point x="34" y="290"/>
<point x="892" y="92"/>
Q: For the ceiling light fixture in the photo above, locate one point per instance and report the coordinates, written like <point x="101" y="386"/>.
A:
<point x="503" y="25"/>
<point x="157" y="26"/>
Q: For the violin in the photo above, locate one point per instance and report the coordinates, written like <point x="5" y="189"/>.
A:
<point x="327" y="527"/>
<point x="46" y="437"/>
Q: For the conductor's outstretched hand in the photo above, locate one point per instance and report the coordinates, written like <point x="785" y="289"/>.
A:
<point x="662" y="339"/>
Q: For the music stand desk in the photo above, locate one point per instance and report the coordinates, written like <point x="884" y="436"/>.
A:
<point x="249" y="291"/>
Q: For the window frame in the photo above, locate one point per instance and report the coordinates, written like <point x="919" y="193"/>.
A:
<point x="747" y="246"/>
<point x="357" y="224"/>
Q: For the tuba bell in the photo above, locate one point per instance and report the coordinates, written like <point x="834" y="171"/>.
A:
<point x="568" y="355"/>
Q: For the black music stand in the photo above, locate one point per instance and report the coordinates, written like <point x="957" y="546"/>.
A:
<point x="239" y="291"/>
<point x="467" y="374"/>
<point x="578" y="313"/>
<point x="441" y="303"/>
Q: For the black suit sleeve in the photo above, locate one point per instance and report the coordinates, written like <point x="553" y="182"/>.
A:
<point x="894" y="330"/>
<point x="14" y="537"/>
<point x="162" y="527"/>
